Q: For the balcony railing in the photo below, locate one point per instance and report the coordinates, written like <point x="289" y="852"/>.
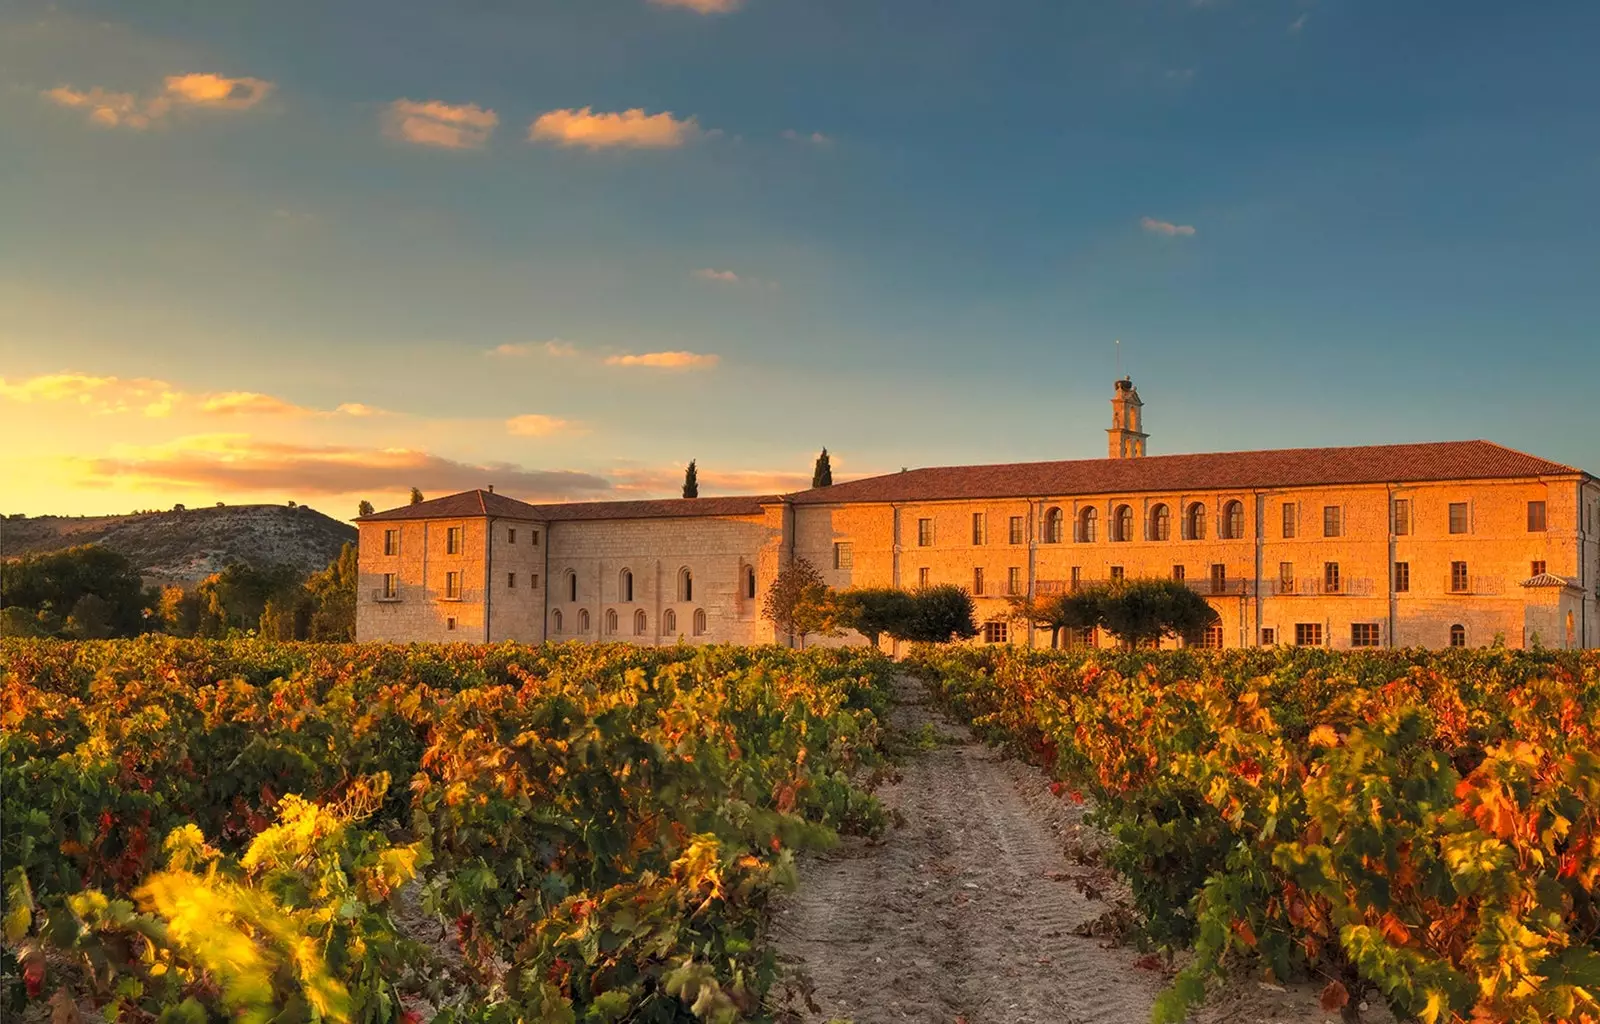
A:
<point x="386" y="596"/>
<point x="1470" y="584"/>
<point x="1316" y="586"/>
<point x="1231" y="586"/>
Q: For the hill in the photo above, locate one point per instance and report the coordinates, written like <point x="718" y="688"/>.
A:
<point x="188" y="546"/>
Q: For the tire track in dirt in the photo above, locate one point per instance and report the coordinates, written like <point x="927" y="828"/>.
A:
<point x="960" y="912"/>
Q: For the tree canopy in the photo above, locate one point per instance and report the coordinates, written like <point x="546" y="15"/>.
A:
<point x="938" y="615"/>
<point x="52" y="588"/>
<point x="416" y="496"/>
<point x="792" y="599"/>
<point x="365" y="508"/>
<point x="822" y="474"/>
<point x="875" y="611"/>
<point x="1134" y="611"/>
<point x="691" y="481"/>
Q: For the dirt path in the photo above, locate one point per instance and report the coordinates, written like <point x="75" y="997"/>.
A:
<point x="966" y="910"/>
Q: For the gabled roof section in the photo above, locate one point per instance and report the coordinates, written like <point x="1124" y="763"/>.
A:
<point x="481" y="504"/>
<point x="466" y="505"/>
<point x="1288" y="467"/>
<point x="1548" y="579"/>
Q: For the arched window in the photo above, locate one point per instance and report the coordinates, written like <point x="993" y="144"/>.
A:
<point x="1122" y="524"/>
<point x="625" y="586"/>
<point x="1233" y="520"/>
<point x="583" y="620"/>
<point x="669" y="622"/>
<point x="1160" y="523"/>
<point x="699" y="622"/>
<point x="1458" y="635"/>
<point x="611" y="622"/>
<point x="572" y="585"/>
<point x="750" y="582"/>
<point x="1052" y="526"/>
<point x="1088" y="519"/>
<point x="640" y="623"/>
<point x="1194" y="522"/>
<point x="685" y="584"/>
<point x="555" y="621"/>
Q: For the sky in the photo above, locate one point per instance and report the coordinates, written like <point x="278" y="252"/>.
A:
<point x="322" y="253"/>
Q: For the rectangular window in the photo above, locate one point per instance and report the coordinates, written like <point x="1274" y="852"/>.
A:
<point x="1402" y="517"/>
<point x="1269" y="636"/>
<point x="1219" y="578"/>
<point x="1077" y="576"/>
<point x="1330" y="577"/>
<point x="1402" y="577"/>
<point x="511" y="535"/>
<point x="1116" y="572"/>
<point x="1308" y="634"/>
<point x="1536" y="517"/>
<point x="1538" y="568"/>
<point x="391" y="586"/>
<point x="1019" y="529"/>
<point x="980" y="528"/>
<point x="1213" y="637"/>
<point x="1014" y="580"/>
<point x="922" y="576"/>
<point x="977" y="580"/>
<point x="844" y="555"/>
<point x="533" y="582"/>
<point x="1460" y="582"/>
<point x="535" y="538"/>
<point x="1363" y="634"/>
<point x="1291" y="519"/>
<point x="995" y="632"/>
<point x="450" y="623"/>
<point x="511" y="581"/>
<point x="452" y="586"/>
<point x="391" y="542"/>
<point x="1179" y="572"/>
<point x="452" y="540"/>
<point x="1458" y="517"/>
<point x="924" y="533"/>
<point x="1332" y="521"/>
<point x="1285" y="577"/>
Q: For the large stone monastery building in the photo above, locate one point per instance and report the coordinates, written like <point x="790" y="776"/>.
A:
<point x="1451" y="544"/>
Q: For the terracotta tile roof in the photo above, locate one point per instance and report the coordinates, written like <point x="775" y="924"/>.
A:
<point x="474" y="504"/>
<point x="1289" y="467"/>
<point x="1548" y="579"/>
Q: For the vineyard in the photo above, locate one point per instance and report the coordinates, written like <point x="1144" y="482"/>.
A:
<point x="1420" y="829"/>
<point x="269" y="831"/>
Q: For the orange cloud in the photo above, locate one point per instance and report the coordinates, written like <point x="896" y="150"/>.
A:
<point x="243" y="464"/>
<point x="535" y="424"/>
<point x="99" y="395"/>
<point x="702" y="6"/>
<point x="654" y="481"/>
<point x="130" y="110"/>
<point x="251" y="403"/>
<point x="1161" y="227"/>
<point x="436" y="123"/>
<point x="631" y="129"/>
<point x="666" y="360"/>
<point x="559" y="349"/>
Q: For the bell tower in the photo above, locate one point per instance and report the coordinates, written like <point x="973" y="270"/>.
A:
<point x="1126" y="437"/>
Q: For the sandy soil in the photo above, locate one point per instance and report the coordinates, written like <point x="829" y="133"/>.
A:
<point x="969" y="910"/>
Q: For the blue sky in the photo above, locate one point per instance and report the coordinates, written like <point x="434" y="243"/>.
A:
<point x="909" y="231"/>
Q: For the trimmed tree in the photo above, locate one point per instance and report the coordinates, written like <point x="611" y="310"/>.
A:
<point x="794" y="589"/>
<point x="691" y="481"/>
<point x="1057" y="612"/>
<point x="1145" y="610"/>
<point x="822" y="474"/>
<point x="874" y="611"/>
<point x="939" y="615"/>
<point x="416" y="496"/>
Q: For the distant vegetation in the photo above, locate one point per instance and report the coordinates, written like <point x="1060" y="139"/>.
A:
<point x="92" y="592"/>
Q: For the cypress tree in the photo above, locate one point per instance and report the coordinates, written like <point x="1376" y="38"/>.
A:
<point x="691" y="482"/>
<point x="416" y="496"/>
<point x="822" y="475"/>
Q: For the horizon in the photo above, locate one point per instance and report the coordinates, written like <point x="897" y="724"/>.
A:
<point x="262" y="255"/>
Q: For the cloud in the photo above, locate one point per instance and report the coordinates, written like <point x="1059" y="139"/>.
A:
<point x="1162" y="227"/>
<point x="652" y="481"/>
<point x="631" y="129"/>
<point x="98" y="395"/>
<point x="814" y="138"/>
<point x="535" y="424"/>
<point x="1299" y="23"/>
<point x="131" y="110"/>
<point x="555" y="347"/>
<point x="244" y="464"/>
<point x="723" y="276"/>
<point x="436" y="123"/>
<point x="702" y="6"/>
<point x="254" y="403"/>
<point x="666" y="360"/>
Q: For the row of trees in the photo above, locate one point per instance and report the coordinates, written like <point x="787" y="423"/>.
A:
<point x="91" y="592"/>
<point x="1136" y="612"/>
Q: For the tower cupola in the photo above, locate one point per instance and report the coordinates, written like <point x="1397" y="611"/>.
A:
<point x="1126" y="436"/>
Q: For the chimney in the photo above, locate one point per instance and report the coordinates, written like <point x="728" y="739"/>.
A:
<point x="491" y="488"/>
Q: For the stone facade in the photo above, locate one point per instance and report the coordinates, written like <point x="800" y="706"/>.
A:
<point x="1508" y="552"/>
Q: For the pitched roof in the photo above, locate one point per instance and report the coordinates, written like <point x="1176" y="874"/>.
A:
<point x="1288" y="467"/>
<point x="1548" y="579"/>
<point x="479" y="503"/>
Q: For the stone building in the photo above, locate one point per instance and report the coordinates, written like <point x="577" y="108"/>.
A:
<point x="1446" y="544"/>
